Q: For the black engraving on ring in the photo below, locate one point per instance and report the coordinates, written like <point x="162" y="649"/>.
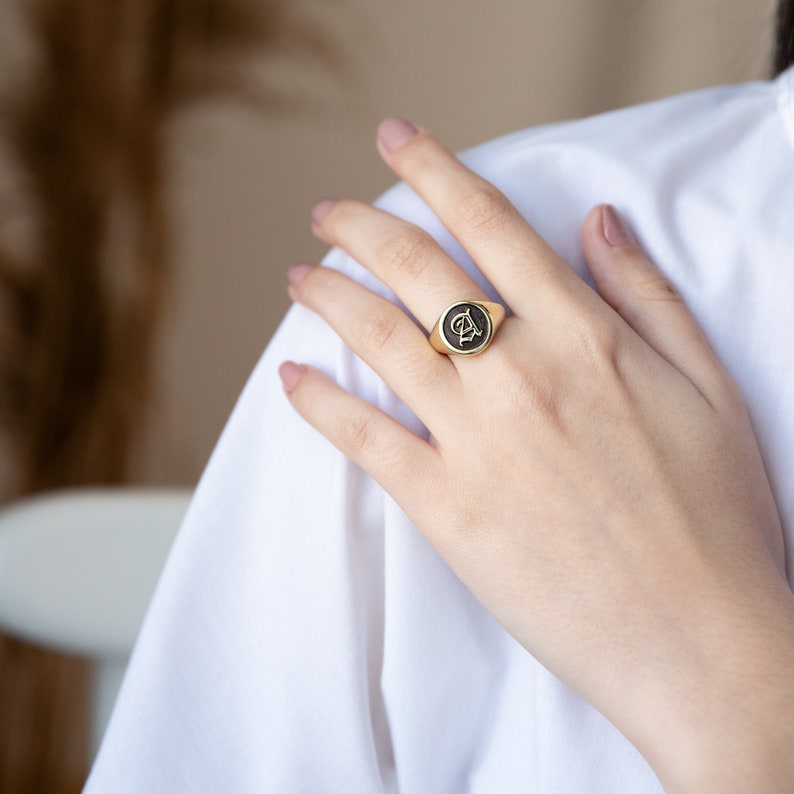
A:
<point x="466" y="327"/>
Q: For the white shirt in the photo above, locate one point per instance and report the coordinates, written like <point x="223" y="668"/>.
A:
<point x="306" y="638"/>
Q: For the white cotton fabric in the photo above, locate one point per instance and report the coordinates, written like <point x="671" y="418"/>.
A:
<point x="305" y="637"/>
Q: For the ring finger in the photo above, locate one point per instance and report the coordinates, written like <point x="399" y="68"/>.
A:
<point x="382" y="335"/>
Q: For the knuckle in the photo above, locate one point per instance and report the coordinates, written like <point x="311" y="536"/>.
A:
<point x="380" y="332"/>
<point x="656" y="287"/>
<point x="356" y="433"/>
<point x="528" y="392"/>
<point x="485" y="208"/>
<point x="408" y="254"/>
<point x="463" y="518"/>
<point x="421" y="368"/>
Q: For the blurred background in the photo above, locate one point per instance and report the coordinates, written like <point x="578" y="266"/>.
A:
<point x="158" y="160"/>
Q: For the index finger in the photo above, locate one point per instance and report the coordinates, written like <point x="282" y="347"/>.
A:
<point x="519" y="263"/>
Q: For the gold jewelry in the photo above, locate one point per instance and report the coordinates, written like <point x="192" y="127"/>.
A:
<point x="466" y="328"/>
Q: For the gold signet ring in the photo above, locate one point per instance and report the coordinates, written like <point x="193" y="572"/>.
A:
<point x="466" y="328"/>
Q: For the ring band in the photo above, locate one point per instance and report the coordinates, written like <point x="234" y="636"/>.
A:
<point x="466" y="327"/>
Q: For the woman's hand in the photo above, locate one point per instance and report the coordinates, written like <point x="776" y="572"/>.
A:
<point x="592" y="476"/>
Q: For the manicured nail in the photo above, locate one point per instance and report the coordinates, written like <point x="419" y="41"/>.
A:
<point x="320" y="210"/>
<point x="297" y="273"/>
<point x="290" y="373"/>
<point x="394" y="132"/>
<point x="616" y="232"/>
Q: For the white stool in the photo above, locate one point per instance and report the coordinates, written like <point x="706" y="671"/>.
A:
<point x="77" y="571"/>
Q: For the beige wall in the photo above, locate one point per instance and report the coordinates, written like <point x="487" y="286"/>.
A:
<point x="469" y="70"/>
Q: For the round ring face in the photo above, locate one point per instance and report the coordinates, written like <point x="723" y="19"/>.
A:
<point x="466" y="328"/>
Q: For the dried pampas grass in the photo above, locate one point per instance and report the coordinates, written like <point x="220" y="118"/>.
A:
<point x="87" y="130"/>
<point x="88" y="133"/>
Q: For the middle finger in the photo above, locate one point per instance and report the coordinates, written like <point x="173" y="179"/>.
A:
<point x="508" y="250"/>
<point x="403" y="256"/>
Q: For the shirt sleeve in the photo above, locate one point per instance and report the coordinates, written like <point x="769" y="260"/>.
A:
<point x="305" y="637"/>
<point x="253" y="671"/>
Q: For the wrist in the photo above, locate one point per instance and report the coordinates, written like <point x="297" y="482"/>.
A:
<point x="724" y="721"/>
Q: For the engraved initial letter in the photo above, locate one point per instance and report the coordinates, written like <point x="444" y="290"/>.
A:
<point x="463" y="325"/>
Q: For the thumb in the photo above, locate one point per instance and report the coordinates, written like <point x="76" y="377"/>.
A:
<point x="650" y="303"/>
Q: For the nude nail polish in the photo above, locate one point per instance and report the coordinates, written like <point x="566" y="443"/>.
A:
<point x="297" y="273"/>
<point x="394" y="132"/>
<point x="320" y="210"/>
<point x="616" y="233"/>
<point x="290" y="373"/>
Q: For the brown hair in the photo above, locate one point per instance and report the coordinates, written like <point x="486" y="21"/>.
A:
<point x="784" y="38"/>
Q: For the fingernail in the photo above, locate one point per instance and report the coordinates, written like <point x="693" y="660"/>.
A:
<point x="297" y="273"/>
<point x="320" y="210"/>
<point x="616" y="232"/>
<point x="290" y="373"/>
<point x="394" y="132"/>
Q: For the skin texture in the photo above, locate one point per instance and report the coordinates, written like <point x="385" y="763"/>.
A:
<point x="610" y="475"/>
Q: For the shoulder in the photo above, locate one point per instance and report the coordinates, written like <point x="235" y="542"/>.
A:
<point x="647" y="136"/>
<point x="635" y="157"/>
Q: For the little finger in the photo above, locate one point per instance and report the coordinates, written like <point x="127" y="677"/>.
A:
<point x="405" y="465"/>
